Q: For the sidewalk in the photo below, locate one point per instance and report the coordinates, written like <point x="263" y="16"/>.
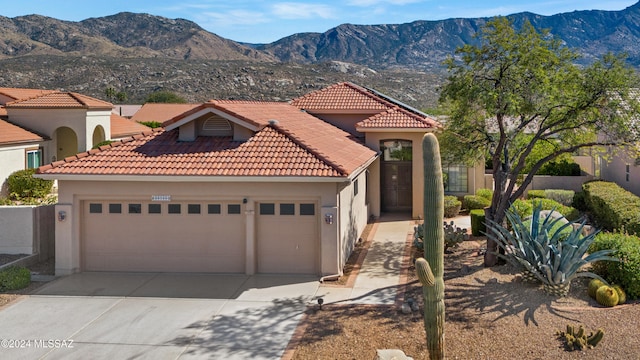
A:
<point x="379" y="278"/>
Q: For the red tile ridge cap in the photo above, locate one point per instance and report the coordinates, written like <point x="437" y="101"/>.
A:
<point x="102" y="148"/>
<point x="308" y="148"/>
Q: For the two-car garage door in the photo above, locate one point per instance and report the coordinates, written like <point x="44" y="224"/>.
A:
<point x="197" y="236"/>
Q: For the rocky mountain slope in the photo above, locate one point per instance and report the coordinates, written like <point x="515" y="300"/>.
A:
<point x="140" y="53"/>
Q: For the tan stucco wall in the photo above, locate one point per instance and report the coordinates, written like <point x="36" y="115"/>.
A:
<point x="353" y="214"/>
<point x="615" y="170"/>
<point x="73" y="193"/>
<point x="346" y="122"/>
<point x="46" y="121"/>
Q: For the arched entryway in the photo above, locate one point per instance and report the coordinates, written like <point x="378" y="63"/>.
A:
<point x="396" y="175"/>
<point x="98" y="135"/>
<point x="66" y="142"/>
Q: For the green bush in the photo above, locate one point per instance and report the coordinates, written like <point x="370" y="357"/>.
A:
<point x="580" y="201"/>
<point x="560" y="168"/>
<point x="564" y="197"/>
<point x="612" y="207"/>
<point x="151" y="124"/>
<point x="102" y="143"/>
<point x="22" y="185"/>
<point x="522" y="207"/>
<point x="451" y="206"/>
<point x="478" y="227"/>
<point x="14" y="278"/>
<point x="547" y="204"/>
<point x="473" y="202"/>
<point x="625" y="273"/>
<point x="485" y="193"/>
<point x="535" y="194"/>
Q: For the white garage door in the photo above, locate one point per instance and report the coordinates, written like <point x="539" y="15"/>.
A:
<point x="287" y="236"/>
<point x="163" y="236"/>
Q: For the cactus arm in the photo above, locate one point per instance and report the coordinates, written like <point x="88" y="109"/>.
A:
<point x="425" y="275"/>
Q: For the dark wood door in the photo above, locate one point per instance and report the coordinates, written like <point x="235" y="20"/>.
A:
<point x="397" y="180"/>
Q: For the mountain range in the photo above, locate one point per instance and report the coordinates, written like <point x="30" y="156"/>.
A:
<point x="139" y="53"/>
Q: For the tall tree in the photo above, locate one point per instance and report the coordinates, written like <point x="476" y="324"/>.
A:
<point x="517" y="83"/>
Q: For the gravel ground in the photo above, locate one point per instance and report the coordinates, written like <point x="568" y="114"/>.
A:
<point x="490" y="314"/>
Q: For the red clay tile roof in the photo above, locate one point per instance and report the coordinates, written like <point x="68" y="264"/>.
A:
<point x="268" y="153"/>
<point x="161" y="112"/>
<point x="398" y="118"/>
<point x="22" y="94"/>
<point x="342" y="96"/>
<point x="298" y="144"/>
<point x="3" y="111"/>
<point x="13" y="134"/>
<point x="123" y="127"/>
<point x="61" y="100"/>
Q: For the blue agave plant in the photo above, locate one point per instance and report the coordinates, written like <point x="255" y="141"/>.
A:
<point x="546" y="252"/>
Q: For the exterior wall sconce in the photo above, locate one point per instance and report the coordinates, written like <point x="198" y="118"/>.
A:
<point x="62" y="216"/>
<point x="328" y="219"/>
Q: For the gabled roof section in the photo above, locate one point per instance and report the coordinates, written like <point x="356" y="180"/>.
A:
<point x="22" y="94"/>
<point x="14" y="134"/>
<point x="161" y="112"/>
<point x="289" y="142"/>
<point x="269" y="153"/>
<point x="397" y="118"/>
<point x="60" y="100"/>
<point x="123" y="127"/>
<point x="341" y="96"/>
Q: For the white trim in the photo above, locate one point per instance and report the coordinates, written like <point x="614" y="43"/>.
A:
<point x="186" y="178"/>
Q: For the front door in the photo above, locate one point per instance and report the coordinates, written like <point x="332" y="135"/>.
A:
<point x="397" y="176"/>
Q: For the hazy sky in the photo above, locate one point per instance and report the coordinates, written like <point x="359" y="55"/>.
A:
<point x="262" y="21"/>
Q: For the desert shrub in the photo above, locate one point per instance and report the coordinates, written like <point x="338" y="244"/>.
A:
<point x="564" y="197"/>
<point x="522" y="207"/>
<point x="151" y="124"/>
<point x="478" y="227"/>
<point x="560" y="168"/>
<point x="102" y="143"/>
<point x="485" y="193"/>
<point x="579" y="201"/>
<point x="612" y="207"/>
<point x="535" y="194"/>
<point x="626" y="272"/>
<point x="473" y="202"/>
<point x="547" y="204"/>
<point x="22" y="185"/>
<point x="14" y="278"/>
<point x="451" y="206"/>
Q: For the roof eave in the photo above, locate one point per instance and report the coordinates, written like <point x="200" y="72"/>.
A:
<point x="191" y="179"/>
<point x="395" y="130"/>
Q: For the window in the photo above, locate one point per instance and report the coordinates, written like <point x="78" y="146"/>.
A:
<point x="455" y="178"/>
<point x="287" y="209"/>
<point x="307" y="209"/>
<point x="95" y="208"/>
<point x="115" y="208"/>
<point x="396" y="150"/>
<point x="214" y="209"/>
<point x="34" y="158"/>
<point x="193" y="208"/>
<point x="627" y="172"/>
<point x="155" y="209"/>
<point x="135" y="208"/>
<point x="267" y="209"/>
<point x="355" y="188"/>
<point x="233" y="209"/>
<point x="175" y="209"/>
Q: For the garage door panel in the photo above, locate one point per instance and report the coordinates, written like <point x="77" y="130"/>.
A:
<point x="162" y="242"/>
<point x="287" y="243"/>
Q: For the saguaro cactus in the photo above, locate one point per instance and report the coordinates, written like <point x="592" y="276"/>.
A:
<point x="430" y="269"/>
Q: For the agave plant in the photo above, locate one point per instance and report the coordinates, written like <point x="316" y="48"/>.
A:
<point x="544" y="251"/>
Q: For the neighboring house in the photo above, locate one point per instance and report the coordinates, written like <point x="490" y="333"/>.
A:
<point x="126" y="111"/>
<point x="41" y="126"/>
<point x="154" y="112"/>
<point x="242" y="186"/>
<point x="623" y="168"/>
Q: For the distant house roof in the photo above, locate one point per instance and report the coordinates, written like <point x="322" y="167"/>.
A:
<point x="386" y="113"/>
<point x="22" y="94"/>
<point x="14" y="134"/>
<point x="60" y="100"/>
<point x="123" y="127"/>
<point x="160" y="112"/>
<point x="287" y="142"/>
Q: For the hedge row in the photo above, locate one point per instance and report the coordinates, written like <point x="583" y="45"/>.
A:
<point x="564" y="197"/>
<point x="478" y="224"/>
<point x="626" y="272"/>
<point x="524" y="208"/>
<point x="612" y="207"/>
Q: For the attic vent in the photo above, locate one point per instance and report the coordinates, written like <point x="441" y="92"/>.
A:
<point x="215" y="123"/>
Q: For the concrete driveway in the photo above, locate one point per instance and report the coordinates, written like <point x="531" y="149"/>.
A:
<point x="156" y="316"/>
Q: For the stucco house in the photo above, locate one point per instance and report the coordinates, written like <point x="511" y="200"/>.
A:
<point x="242" y="186"/>
<point x="41" y="126"/>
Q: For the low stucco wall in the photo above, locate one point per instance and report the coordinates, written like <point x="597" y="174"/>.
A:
<point x="27" y="230"/>
<point x="543" y="182"/>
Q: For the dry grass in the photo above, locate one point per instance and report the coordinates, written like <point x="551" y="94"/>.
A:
<point x="490" y="314"/>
